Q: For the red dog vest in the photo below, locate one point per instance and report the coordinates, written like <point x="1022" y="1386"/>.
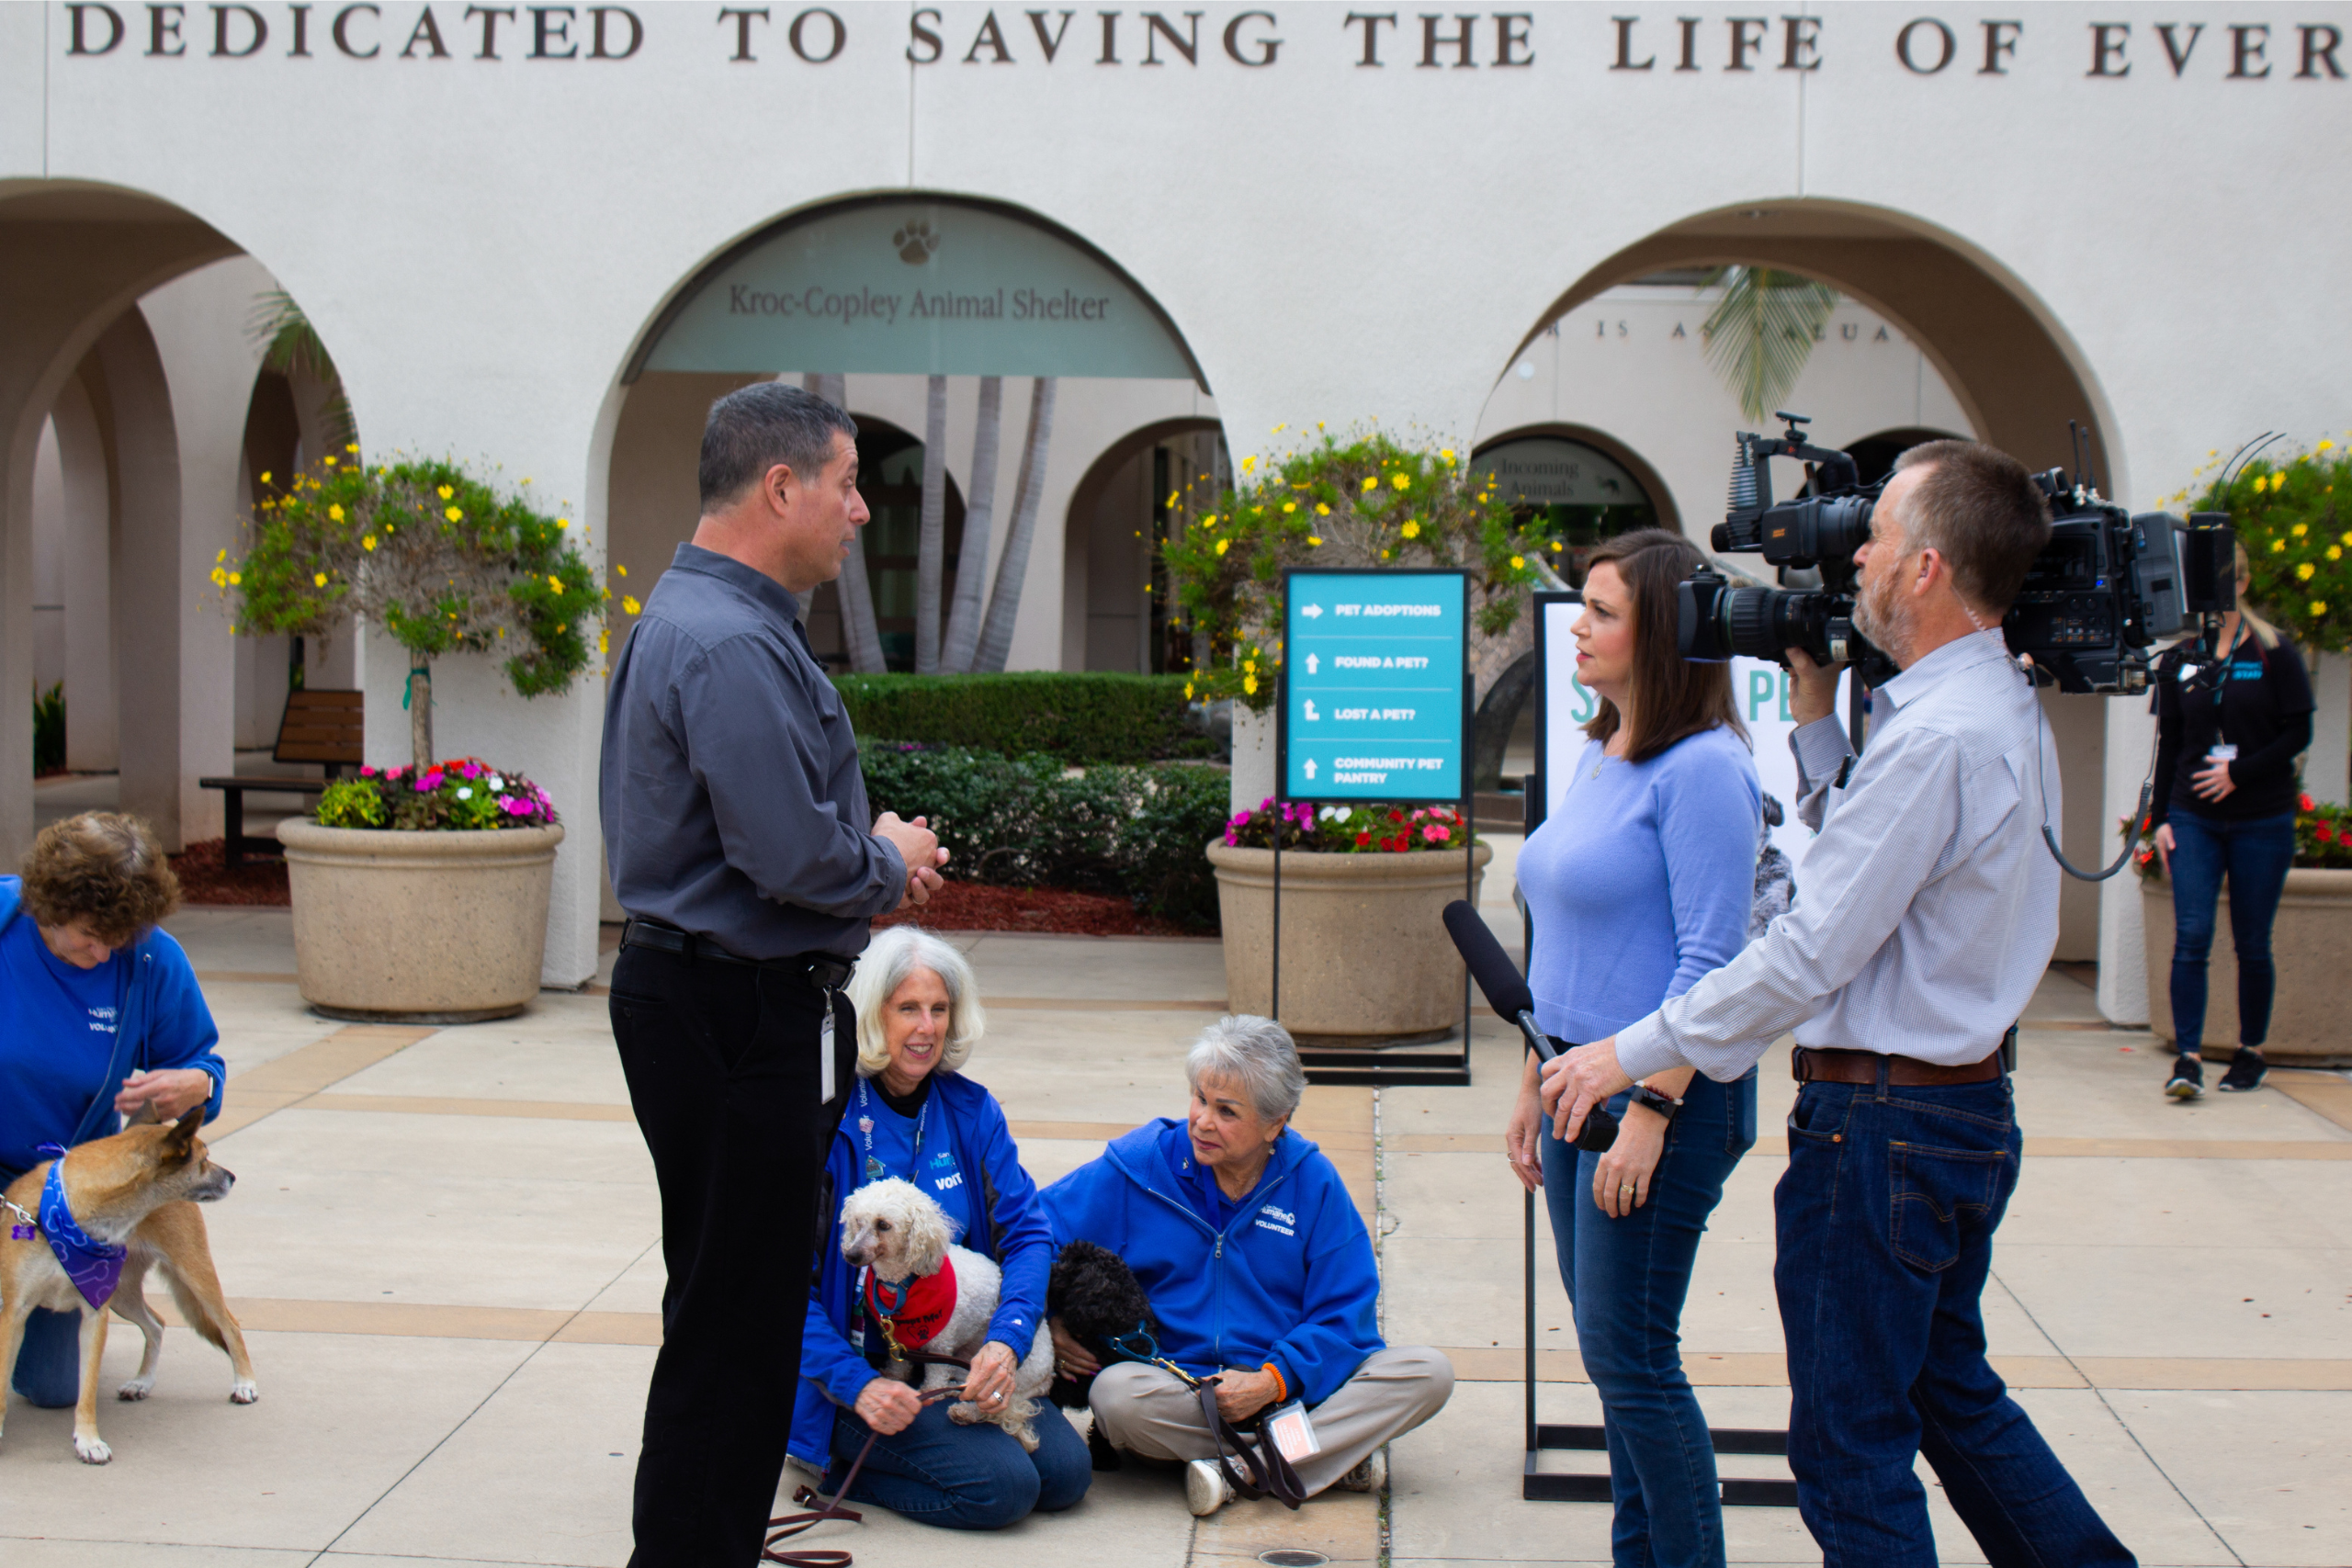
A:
<point x="917" y="1307"/>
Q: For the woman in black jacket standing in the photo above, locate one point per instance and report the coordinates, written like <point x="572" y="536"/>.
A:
<point x="2232" y="717"/>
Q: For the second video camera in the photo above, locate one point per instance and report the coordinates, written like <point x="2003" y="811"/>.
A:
<point x="2107" y="586"/>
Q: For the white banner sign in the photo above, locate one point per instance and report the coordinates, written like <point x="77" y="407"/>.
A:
<point x="1759" y="691"/>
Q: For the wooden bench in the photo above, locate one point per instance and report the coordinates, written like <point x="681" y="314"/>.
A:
<point x="321" y="727"/>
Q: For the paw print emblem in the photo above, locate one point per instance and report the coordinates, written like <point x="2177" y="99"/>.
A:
<point x="914" y="241"/>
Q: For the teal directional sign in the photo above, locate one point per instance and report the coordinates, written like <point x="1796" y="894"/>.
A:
<point x="1374" y="685"/>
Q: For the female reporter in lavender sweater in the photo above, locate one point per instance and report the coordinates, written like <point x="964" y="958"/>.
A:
<point x="1638" y="883"/>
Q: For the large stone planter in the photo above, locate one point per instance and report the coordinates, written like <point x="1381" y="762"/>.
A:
<point x="419" y="928"/>
<point x="2312" y="944"/>
<point x="1365" y="958"/>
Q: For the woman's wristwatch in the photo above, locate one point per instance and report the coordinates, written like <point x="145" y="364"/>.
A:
<point x="1665" y="1105"/>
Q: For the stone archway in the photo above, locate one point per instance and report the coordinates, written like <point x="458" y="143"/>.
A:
<point x="2016" y="371"/>
<point x="76" y="261"/>
<point x="1138" y="491"/>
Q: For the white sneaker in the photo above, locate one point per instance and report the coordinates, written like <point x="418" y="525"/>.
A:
<point x="1369" y="1476"/>
<point x="1205" y="1490"/>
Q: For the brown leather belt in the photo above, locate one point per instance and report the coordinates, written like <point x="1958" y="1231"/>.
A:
<point x="1814" y="1063"/>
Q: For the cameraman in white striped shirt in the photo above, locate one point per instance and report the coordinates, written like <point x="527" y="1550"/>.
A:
<point x="1926" y="916"/>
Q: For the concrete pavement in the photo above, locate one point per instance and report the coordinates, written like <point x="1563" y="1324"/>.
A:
<point x="443" y="1248"/>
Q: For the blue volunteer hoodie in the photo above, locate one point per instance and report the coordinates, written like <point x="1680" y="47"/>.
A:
<point x="1289" y="1279"/>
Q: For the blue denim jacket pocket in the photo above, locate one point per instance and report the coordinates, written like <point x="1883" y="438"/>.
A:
<point x="1936" y="1195"/>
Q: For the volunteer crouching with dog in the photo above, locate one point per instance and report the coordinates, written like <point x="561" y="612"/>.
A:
<point x="914" y="1116"/>
<point x="1927" y="913"/>
<point x="1258" y="1270"/>
<point x="103" y="1020"/>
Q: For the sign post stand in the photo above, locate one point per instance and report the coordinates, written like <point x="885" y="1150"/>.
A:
<point x="1375" y="704"/>
<point x="1554" y="615"/>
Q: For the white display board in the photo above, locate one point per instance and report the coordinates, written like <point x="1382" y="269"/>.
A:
<point x="1759" y="691"/>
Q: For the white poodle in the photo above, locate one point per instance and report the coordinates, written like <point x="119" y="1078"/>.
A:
<point x="900" y="1236"/>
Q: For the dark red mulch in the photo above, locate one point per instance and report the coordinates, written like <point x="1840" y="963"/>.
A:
<point x="966" y="907"/>
<point x="205" y="880"/>
<point x="957" y="906"/>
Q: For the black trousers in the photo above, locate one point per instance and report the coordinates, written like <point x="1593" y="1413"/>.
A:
<point x="723" y="1073"/>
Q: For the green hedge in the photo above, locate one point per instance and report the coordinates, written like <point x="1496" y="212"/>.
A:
<point x="1074" y="718"/>
<point x="1139" y="832"/>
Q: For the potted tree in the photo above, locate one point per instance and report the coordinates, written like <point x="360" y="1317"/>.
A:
<point x="419" y="893"/>
<point x="1361" y="885"/>
<point x="2294" y="517"/>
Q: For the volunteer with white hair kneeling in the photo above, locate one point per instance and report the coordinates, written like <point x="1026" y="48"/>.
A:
<point x="1258" y="1270"/>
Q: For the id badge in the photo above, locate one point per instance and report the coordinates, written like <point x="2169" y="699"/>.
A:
<point x="2223" y="754"/>
<point x="826" y="1089"/>
<point x="1292" y="1433"/>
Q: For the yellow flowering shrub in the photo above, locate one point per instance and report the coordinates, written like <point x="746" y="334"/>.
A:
<point x="439" y="558"/>
<point x="2293" y="514"/>
<point x="1372" y="501"/>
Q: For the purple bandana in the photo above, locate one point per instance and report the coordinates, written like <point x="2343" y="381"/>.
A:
<point x="95" y="1267"/>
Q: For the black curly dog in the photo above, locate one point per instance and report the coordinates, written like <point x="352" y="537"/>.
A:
<point x="1094" y="1295"/>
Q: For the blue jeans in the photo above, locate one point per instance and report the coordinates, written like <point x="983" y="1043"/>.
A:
<point x="49" y="1364"/>
<point x="1885" y="1230"/>
<point x="2255" y="855"/>
<point x="964" y="1478"/>
<point x="1627" y="1280"/>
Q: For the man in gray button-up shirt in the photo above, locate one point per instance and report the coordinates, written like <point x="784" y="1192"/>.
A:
<point x="735" y="822"/>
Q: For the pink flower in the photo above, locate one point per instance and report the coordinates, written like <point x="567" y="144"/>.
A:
<point x="471" y="769"/>
<point x="428" y="784"/>
<point x="1231" y="838"/>
<point x="365" y="771"/>
<point x="1435" y="834"/>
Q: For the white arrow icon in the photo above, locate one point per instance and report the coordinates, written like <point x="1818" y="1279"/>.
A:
<point x="1310" y="767"/>
<point x="1311" y="714"/>
<point x="1313" y="663"/>
<point x="1312" y="612"/>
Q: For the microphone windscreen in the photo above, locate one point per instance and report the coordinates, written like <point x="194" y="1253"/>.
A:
<point x="1498" y="978"/>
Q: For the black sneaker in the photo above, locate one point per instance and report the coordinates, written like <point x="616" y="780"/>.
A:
<point x="2247" y="1070"/>
<point x="2187" y="1080"/>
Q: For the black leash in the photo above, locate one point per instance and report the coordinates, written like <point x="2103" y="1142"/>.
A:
<point x="1265" y="1472"/>
<point x="785" y="1527"/>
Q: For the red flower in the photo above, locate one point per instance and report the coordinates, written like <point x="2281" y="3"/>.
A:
<point x="2326" y="834"/>
<point x="2304" y="802"/>
<point x="1363" y="838"/>
<point x="1396" y="816"/>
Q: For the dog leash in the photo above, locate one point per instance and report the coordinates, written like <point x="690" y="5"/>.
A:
<point x="1270" y="1472"/>
<point x="785" y="1527"/>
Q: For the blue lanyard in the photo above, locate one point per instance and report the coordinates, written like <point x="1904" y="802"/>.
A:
<point x="875" y="1169"/>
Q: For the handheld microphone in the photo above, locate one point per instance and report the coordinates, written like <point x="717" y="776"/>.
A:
<point x="1506" y="991"/>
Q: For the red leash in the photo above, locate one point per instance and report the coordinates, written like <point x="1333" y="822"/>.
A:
<point x="785" y="1528"/>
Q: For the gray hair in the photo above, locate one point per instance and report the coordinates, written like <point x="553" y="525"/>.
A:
<point x="1255" y="1052"/>
<point x="888" y="959"/>
<point x="753" y="428"/>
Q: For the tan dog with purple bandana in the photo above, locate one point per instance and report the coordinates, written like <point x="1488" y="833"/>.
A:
<point x="138" y="1192"/>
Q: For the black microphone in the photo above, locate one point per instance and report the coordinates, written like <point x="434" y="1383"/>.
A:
<point x="1506" y="991"/>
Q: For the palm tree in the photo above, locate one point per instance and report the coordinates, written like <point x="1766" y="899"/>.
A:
<point x="859" y="633"/>
<point x="291" y="347"/>
<point x="930" y="541"/>
<point x="1005" y="604"/>
<point x="979" y="505"/>
<point x="1762" y="330"/>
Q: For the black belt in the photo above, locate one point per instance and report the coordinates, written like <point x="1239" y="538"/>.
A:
<point x="822" y="970"/>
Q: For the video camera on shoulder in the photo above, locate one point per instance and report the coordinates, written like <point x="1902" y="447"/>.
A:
<point x="2107" y="586"/>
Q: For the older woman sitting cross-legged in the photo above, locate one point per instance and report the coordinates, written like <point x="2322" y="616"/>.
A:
<point x="1258" y="1267"/>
